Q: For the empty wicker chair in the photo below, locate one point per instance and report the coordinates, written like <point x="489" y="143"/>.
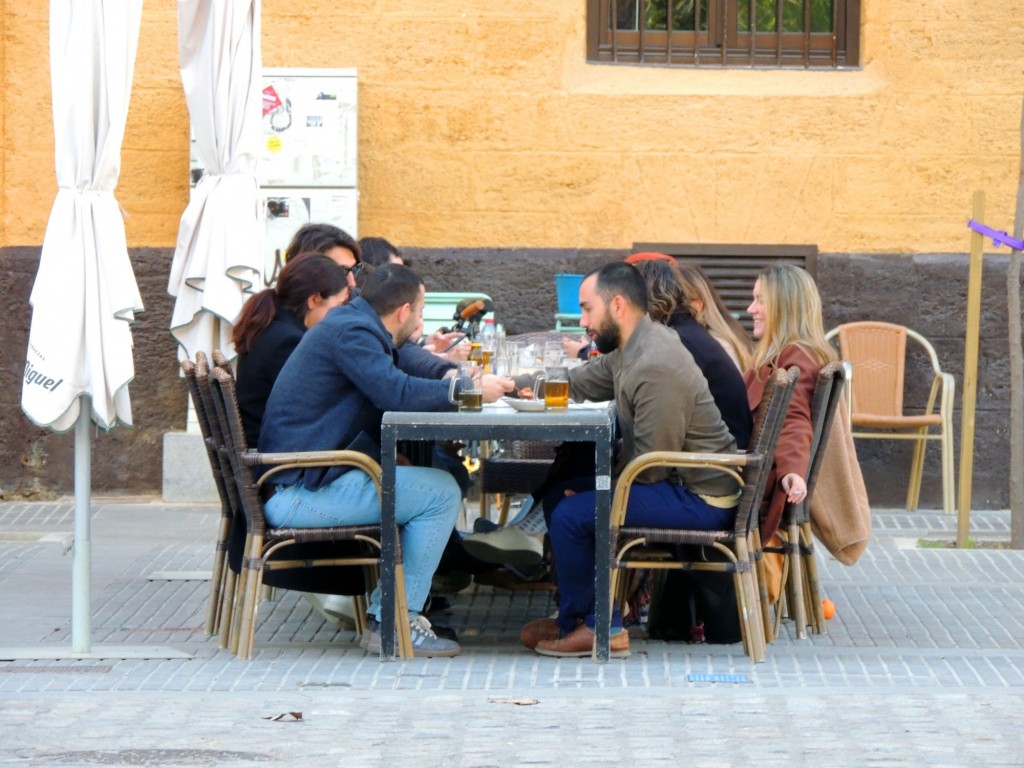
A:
<point x="262" y="540"/>
<point x="635" y="547"/>
<point x="877" y="352"/>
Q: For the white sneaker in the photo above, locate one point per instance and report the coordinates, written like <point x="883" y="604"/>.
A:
<point x="505" y="546"/>
<point x="339" y="610"/>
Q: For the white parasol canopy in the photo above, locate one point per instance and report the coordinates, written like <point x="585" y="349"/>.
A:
<point x="79" y="360"/>
<point x="85" y="297"/>
<point x="218" y="259"/>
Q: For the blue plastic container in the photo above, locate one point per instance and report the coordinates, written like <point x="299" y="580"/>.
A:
<point x="568" y="289"/>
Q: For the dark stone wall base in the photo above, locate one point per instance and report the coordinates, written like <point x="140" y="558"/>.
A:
<point x="38" y="463"/>
<point x="924" y="292"/>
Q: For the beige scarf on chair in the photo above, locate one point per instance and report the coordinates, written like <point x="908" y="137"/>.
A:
<point x="840" y="514"/>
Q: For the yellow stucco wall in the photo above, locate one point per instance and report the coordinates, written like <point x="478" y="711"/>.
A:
<point x="481" y="125"/>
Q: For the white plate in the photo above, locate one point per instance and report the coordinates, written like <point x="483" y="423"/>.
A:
<point x="524" y="405"/>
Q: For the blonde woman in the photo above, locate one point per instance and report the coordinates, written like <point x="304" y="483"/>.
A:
<point x="788" y="328"/>
<point x="710" y="311"/>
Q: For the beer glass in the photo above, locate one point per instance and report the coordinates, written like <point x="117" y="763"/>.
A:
<point x="470" y="381"/>
<point x="556" y="387"/>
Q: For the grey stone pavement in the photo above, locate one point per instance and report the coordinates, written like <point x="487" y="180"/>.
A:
<point x="923" y="664"/>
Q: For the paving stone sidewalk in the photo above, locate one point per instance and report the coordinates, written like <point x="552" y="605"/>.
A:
<point x="923" y="663"/>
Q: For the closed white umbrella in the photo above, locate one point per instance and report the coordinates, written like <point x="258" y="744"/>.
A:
<point x="218" y="259"/>
<point x="79" y="360"/>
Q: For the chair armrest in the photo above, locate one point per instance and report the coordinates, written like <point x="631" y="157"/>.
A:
<point x="948" y="393"/>
<point x="307" y="459"/>
<point x="728" y="463"/>
<point x="943" y="388"/>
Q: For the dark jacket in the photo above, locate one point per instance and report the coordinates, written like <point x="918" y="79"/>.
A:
<point x="258" y="370"/>
<point x="335" y="387"/>
<point x="724" y="379"/>
<point x="417" y="361"/>
<point x="255" y="377"/>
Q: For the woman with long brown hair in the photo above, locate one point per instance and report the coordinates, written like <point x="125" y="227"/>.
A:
<point x="273" y="322"/>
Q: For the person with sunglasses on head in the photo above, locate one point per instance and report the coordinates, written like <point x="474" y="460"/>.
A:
<point x="333" y="242"/>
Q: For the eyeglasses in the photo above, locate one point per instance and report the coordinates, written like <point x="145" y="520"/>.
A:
<point x="355" y="270"/>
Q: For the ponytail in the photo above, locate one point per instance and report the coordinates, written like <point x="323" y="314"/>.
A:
<point x="257" y="315"/>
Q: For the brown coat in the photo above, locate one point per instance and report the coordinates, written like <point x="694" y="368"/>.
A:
<point x="840" y="515"/>
<point x="792" y="453"/>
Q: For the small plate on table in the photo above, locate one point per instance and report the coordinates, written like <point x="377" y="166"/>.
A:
<point x="527" y="406"/>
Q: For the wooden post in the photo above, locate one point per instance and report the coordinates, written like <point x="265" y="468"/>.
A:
<point x="970" y="388"/>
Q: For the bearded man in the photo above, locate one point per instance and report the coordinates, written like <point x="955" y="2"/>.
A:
<point x="662" y="404"/>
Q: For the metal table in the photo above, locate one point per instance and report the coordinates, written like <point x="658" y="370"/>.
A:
<point x="577" y="424"/>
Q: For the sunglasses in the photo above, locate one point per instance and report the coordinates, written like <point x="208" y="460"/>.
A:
<point x="355" y="270"/>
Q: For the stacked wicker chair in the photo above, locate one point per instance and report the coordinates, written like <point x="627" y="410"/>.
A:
<point x="222" y="580"/>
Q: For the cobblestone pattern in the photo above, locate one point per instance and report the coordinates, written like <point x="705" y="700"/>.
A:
<point x="922" y="665"/>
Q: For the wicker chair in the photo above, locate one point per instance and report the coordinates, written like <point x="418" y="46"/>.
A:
<point x="637" y="547"/>
<point x="800" y="576"/>
<point x="519" y="467"/>
<point x="878" y="354"/>
<point x="262" y="540"/>
<point x="218" y="613"/>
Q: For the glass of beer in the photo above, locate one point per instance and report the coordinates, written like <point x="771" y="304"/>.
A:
<point x="471" y="386"/>
<point x="556" y="387"/>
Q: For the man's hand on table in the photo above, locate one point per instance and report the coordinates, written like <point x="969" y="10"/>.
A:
<point x="496" y="387"/>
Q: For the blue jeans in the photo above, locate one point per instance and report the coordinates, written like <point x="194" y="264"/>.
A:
<point x="427" y="503"/>
<point x="572" y="530"/>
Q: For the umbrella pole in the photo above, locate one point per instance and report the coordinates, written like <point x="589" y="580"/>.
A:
<point x="81" y="576"/>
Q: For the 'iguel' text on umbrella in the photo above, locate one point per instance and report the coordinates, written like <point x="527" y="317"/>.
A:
<point x="33" y="376"/>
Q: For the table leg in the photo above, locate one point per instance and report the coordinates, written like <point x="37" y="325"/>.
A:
<point x="388" y="544"/>
<point x="602" y="511"/>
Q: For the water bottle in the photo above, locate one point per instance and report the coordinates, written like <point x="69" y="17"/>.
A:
<point x="487" y="340"/>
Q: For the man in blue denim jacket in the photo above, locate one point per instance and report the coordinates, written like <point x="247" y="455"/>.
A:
<point x="331" y="395"/>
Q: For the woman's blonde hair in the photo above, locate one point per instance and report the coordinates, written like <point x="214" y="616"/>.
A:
<point x="792" y="315"/>
<point x="710" y="311"/>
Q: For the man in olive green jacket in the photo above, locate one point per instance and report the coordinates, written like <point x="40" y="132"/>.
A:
<point x="662" y="404"/>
